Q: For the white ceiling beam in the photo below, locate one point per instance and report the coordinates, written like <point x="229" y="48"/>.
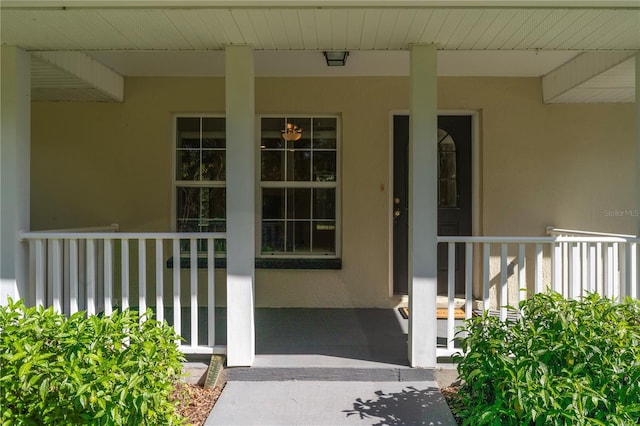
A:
<point x="578" y="71"/>
<point x="89" y="73"/>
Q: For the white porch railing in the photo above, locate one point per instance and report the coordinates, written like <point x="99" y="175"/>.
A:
<point x="496" y="268"/>
<point x="99" y="270"/>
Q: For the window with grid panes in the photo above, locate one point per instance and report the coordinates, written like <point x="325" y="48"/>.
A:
<point x="299" y="186"/>
<point x="200" y="175"/>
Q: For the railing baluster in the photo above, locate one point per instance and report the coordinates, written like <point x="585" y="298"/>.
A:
<point x="593" y="265"/>
<point x="142" y="276"/>
<point x="468" y="280"/>
<point x="601" y="274"/>
<point x="194" y="290"/>
<point x="66" y="300"/>
<point x="91" y="276"/>
<point x="504" y="279"/>
<point x="73" y="276"/>
<point x="486" y="274"/>
<point x="100" y="275"/>
<point x="49" y="281"/>
<point x="616" y="271"/>
<point x="609" y="270"/>
<point x="566" y="268"/>
<point x="574" y="282"/>
<point x="31" y="275"/>
<point x="177" y="310"/>
<point x="82" y="275"/>
<point x="159" y="281"/>
<point x="124" y="256"/>
<point x="625" y="270"/>
<point x="538" y="269"/>
<point x="633" y="271"/>
<point x="108" y="276"/>
<point x="41" y="272"/>
<point x="211" y="292"/>
<point x="584" y="273"/>
<point x="56" y="256"/>
<point x="522" y="272"/>
<point x="451" y="294"/>
<point x="556" y="267"/>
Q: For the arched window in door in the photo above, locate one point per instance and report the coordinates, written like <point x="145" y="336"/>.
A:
<point x="447" y="183"/>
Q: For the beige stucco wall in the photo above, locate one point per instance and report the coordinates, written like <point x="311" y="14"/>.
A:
<point x="571" y="166"/>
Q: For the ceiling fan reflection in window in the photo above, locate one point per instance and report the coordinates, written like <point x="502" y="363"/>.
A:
<point x="291" y="132"/>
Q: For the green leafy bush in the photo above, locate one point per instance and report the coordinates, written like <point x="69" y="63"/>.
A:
<point x="108" y="370"/>
<point x="564" y="362"/>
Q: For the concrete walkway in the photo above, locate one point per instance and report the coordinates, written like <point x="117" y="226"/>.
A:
<point x="331" y="367"/>
<point x="331" y="403"/>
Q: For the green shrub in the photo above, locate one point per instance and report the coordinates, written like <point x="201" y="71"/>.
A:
<point x="108" y="370"/>
<point x="564" y="362"/>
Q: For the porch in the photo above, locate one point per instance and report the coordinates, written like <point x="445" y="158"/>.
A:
<point x="98" y="271"/>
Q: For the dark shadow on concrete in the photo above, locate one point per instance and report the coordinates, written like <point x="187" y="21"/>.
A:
<point x="411" y="406"/>
<point x="363" y="334"/>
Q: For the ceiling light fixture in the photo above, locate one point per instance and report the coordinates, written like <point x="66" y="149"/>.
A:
<point x="291" y="133"/>
<point x="336" y="58"/>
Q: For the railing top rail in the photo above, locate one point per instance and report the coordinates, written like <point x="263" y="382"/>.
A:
<point x="535" y="240"/>
<point x="574" y="232"/>
<point x="120" y="235"/>
<point x="114" y="227"/>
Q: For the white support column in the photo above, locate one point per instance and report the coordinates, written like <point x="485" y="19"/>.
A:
<point x="423" y="209"/>
<point x="637" y="119"/>
<point x="240" y="113"/>
<point x="15" y="142"/>
<point x="637" y="115"/>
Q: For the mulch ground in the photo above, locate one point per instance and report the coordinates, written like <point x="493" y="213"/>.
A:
<point x="449" y="393"/>
<point x="195" y="402"/>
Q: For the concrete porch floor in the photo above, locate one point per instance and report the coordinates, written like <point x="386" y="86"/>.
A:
<point x="323" y="338"/>
<point x="330" y="344"/>
<point x="331" y="338"/>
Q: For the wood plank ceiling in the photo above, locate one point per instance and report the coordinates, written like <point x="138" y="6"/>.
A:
<point x="317" y="29"/>
<point x="322" y="29"/>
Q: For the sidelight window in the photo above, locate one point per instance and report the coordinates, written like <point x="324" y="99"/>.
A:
<point x="447" y="180"/>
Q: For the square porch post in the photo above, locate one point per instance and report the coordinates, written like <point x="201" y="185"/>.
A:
<point x="240" y="122"/>
<point x="15" y="142"/>
<point x="423" y="209"/>
<point x="637" y="117"/>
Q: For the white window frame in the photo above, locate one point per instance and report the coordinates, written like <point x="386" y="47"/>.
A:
<point x="337" y="184"/>
<point x="175" y="183"/>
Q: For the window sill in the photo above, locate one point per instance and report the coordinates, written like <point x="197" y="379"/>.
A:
<point x="268" y="263"/>
<point x="298" y="263"/>
<point x="185" y="262"/>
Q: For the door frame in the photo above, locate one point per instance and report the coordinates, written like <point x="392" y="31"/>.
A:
<point x="476" y="183"/>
